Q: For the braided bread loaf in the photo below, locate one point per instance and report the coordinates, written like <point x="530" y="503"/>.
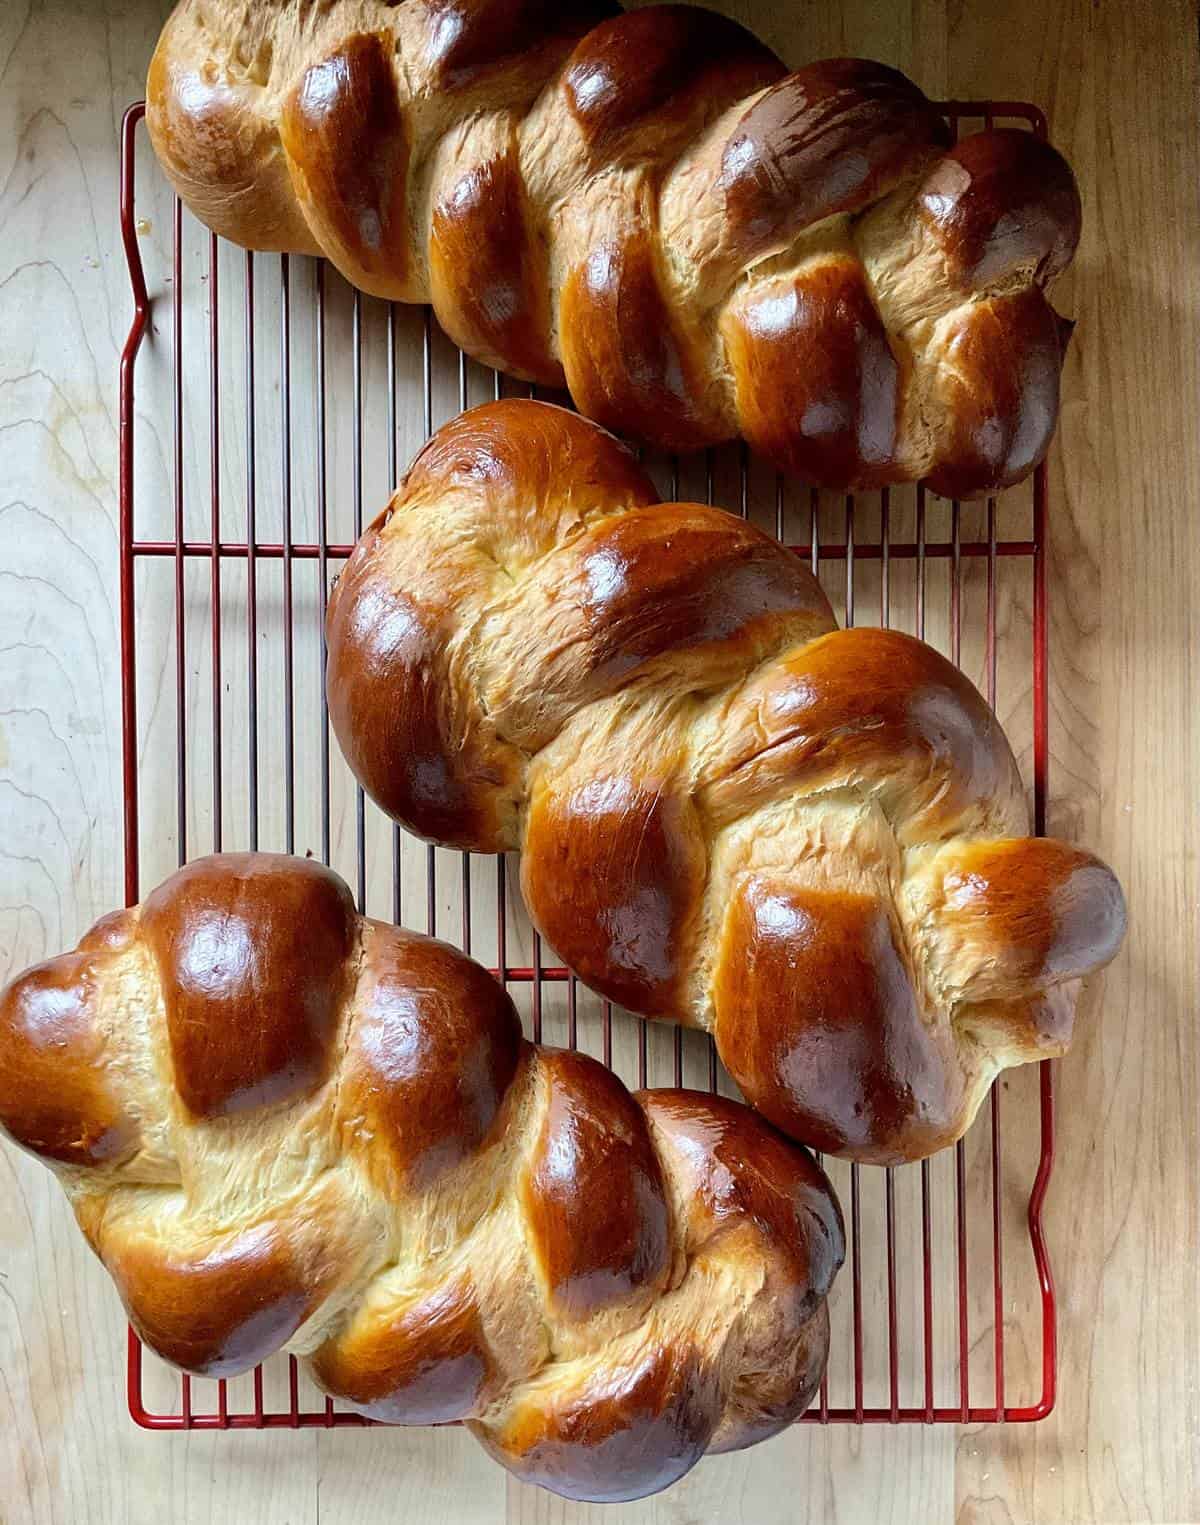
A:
<point x="283" y="1125"/>
<point x="649" y="210"/>
<point x="809" y="841"/>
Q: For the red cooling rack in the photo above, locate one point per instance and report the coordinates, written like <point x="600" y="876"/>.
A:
<point x="931" y="1321"/>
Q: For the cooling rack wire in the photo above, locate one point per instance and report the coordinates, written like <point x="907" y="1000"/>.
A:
<point x="264" y="406"/>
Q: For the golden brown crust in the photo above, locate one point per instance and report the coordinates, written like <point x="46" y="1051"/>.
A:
<point x="55" y="1097"/>
<point x="959" y="199"/>
<point x="613" y="1433"/>
<point x="647" y="79"/>
<point x="488" y="276"/>
<point x="818" y="384"/>
<point x="681" y="587"/>
<point x="680" y="582"/>
<point x="640" y="1421"/>
<point x="404" y="749"/>
<point x="452" y="1223"/>
<point x="738" y="1167"/>
<point x="831" y="138"/>
<point x="391" y="674"/>
<point x="593" y="1193"/>
<point x="114" y="931"/>
<point x="344" y="133"/>
<point x="817" y="1017"/>
<point x="217" y="1311"/>
<point x="434" y="1049"/>
<point x="252" y="961"/>
<point x="864" y="709"/>
<point x="734" y="1167"/>
<point x="998" y="384"/>
<point x="646" y="206"/>
<point x="629" y="932"/>
<point x="545" y="470"/>
<point x="630" y="362"/>
<point x="468" y="39"/>
<point x="1057" y="911"/>
<point x="806" y="840"/>
<point x="222" y="155"/>
<point x="424" y="1360"/>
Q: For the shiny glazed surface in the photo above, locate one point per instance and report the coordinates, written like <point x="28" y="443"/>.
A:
<point x="283" y="1126"/>
<point x="649" y="209"/>
<point x="811" y="842"/>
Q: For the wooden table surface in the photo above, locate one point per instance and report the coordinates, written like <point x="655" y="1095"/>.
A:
<point x="1119" y="82"/>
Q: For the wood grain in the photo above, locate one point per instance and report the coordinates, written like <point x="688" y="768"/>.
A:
<point x="1120" y="83"/>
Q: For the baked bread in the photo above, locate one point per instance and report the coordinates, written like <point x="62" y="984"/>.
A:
<point x="650" y="210"/>
<point x="809" y="841"/>
<point x="283" y="1126"/>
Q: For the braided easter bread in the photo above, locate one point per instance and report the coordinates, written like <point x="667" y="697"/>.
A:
<point x="649" y="210"/>
<point x="809" y="841"/>
<point x="281" y="1125"/>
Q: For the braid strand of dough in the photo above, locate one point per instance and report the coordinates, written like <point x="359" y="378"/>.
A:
<point x="809" y="841"/>
<point x="283" y="1126"/>
<point x="648" y="209"/>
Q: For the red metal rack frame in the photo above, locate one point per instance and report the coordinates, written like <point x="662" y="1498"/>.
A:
<point x="188" y="1408"/>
